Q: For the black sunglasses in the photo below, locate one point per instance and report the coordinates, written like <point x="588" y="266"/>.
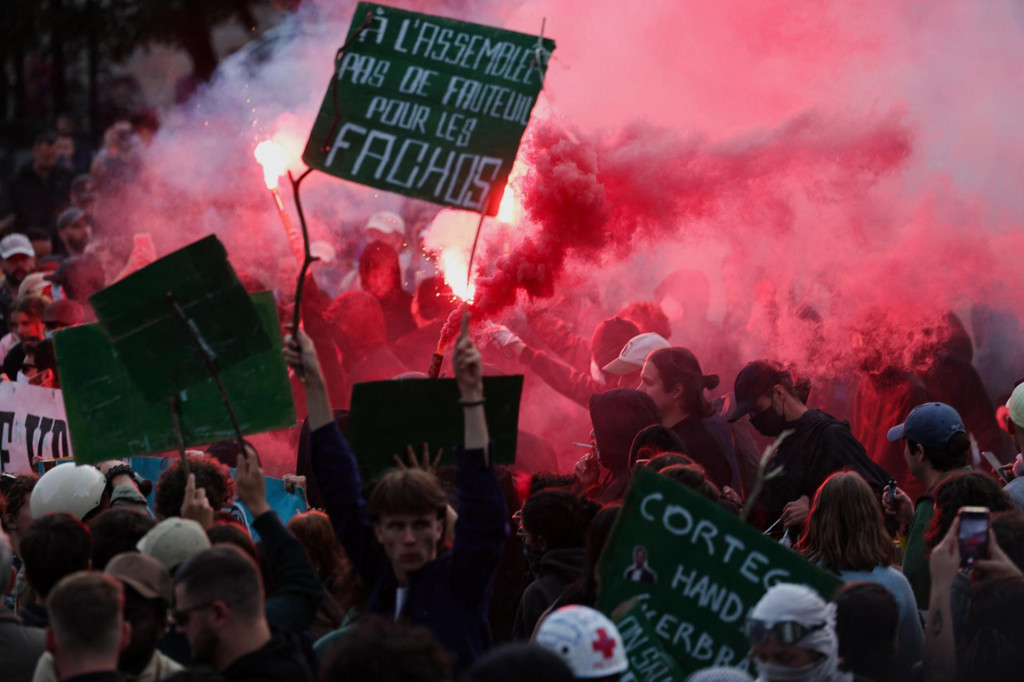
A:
<point x="181" y="616"/>
<point x="785" y="632"/>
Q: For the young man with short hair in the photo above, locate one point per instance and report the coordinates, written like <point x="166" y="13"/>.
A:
<point x="409" y="580"/>
<point x="87" y="631"/>
<point x="936" y="447"/>
<point x="56" y="545"/>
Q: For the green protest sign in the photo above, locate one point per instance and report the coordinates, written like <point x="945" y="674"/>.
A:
<point x="428" y="107"/>
<point x="388" y="415"/>
<point x="648" y="661"/>
<point x="108" y="416"/>
<point x="695" y="570"/>
<point x="157" y="349"/>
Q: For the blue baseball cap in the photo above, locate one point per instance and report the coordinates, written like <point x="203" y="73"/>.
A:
<point x="930" y="424"/>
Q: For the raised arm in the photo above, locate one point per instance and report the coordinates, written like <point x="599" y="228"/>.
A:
<point x="469" y="375"/>
<point x="334" y="465"/>
<point x="480" y="529"/>
<point x="297" y="591"/>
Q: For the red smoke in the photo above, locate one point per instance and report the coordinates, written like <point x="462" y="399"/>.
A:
<point x="597" y="198"/>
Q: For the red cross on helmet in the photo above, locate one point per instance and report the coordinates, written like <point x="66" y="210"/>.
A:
<point x="586" y="640"/>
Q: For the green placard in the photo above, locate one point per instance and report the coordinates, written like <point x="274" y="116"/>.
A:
<point x="648" y="660"/>
<point x="389" y="415"/>
<point x="428" y="107"/>
<point x="154" y="345"/>
<point x="108" y="417"/>
<point x="695" y="570"/>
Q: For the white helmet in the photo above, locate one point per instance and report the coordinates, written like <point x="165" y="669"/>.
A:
<point x="586" y="640"/>
<point x="69" y="488"/>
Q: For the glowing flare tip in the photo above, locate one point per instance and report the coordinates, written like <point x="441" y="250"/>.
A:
<point x="454" y="266"/>
<point x="274" y="160"/>
<point x="508" y="209"/>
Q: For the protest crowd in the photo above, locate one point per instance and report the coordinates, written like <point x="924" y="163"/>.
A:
<point x="897" y="487"/>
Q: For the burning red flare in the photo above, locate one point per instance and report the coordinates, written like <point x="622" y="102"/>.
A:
<point x="274" y="159"/>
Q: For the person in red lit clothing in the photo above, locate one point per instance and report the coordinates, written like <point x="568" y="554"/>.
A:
<point x="886" y="397"/>
<point x="381" y="276"/>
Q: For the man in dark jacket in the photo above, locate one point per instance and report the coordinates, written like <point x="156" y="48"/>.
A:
<point x="554" y="525"/>
<point x="40" y="189"/>
<point x="219" y="606"/>
<point x="818" y="446"/>
<point x="447" y="593"/>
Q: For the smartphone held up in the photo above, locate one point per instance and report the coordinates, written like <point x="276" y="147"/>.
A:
<point x="973" y="535"/>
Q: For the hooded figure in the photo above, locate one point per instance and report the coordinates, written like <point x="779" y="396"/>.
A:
<point x="618" y="416"/>
<point x="792" y="623"/>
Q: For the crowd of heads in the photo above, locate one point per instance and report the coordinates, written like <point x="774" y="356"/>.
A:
<point x="119" y="582"/>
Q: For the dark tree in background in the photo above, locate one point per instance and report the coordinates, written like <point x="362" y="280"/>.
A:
<point x="55" y="52"/>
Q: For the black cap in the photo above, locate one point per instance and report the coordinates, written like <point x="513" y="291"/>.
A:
<point x="753" y="381"/>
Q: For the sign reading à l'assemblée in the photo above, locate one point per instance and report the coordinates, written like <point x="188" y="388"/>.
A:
<point x="428" y="107"/>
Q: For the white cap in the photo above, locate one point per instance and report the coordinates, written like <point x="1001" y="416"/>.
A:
<point x="633" y="354"/>
<point x="387" y="222"/>
<point x="14" y="244"/>
<point x="174" y="541"/>
<point x="1016" y="406"/>
<point x="69" y="488"/>
<point x="323" y="251"/>
<point x="586" y="640"/>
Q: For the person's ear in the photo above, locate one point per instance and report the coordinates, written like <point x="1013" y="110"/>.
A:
<point x="126" y="636"/>
<point x="50" y="641"/>
<point x="220" y="612"/>
<point x="378" y="532"/>
<point x="677" y="392"/>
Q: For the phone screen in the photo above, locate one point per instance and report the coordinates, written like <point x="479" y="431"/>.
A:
<point x="973" y="537"/>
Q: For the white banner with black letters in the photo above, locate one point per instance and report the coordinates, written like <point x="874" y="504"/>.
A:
<point x="32" y="424"/>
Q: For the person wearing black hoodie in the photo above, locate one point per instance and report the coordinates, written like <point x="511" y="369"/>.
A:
<point x="618" y="416"/>
<point x="818" y="446"/>
<point x="554" y="525"/>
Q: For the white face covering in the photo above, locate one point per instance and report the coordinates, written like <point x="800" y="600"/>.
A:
<point x="798" y="603"/>
<point x="824" y="670"/>
<point x="23" y="378"/>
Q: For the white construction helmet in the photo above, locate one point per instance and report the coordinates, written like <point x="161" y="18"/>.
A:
<point x="586" y="640"/>
<point x="69" y="488"/>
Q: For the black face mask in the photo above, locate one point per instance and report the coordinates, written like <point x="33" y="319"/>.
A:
<point x="769" y="423"/>
<point x="533" y="556"/>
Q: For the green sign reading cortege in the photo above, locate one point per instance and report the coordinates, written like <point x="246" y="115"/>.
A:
<point x="428" y="107"/>
<point x="695" y="570"/>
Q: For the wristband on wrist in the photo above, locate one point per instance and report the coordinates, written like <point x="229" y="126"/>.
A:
<point x="472" y="403"/>
<point x="119" y="470"/>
